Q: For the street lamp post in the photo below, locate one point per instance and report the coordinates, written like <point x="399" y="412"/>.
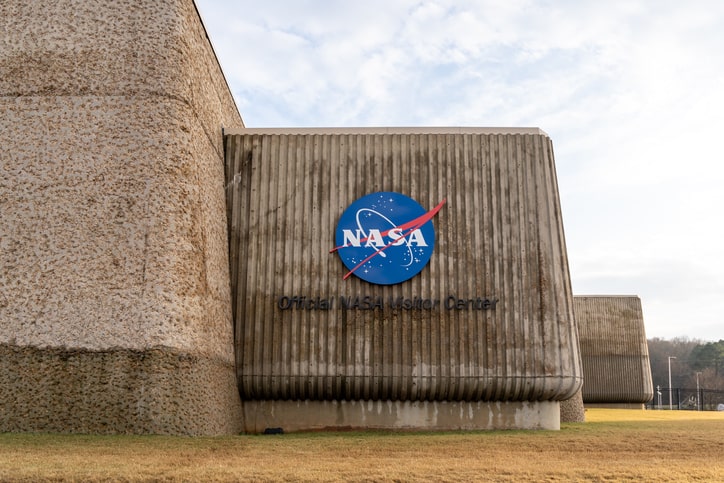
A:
<point x="671" y="405"/>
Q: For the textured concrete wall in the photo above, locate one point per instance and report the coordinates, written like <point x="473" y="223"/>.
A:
<point x="500" y="235"/>
<point x="573" y="410"/>
<point x="113" y="250"/>
<point x="614" y="351"/>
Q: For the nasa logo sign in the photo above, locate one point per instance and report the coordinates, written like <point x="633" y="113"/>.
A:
<point x="385" y="238"/>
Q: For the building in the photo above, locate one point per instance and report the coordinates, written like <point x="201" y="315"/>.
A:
<point x="116" y="185"/>
<point x="614" y="352"/>
<point x="482" y="337"/>
<point x="113" y="248"/>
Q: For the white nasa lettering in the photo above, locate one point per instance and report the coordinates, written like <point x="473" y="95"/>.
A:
<point x="375" y="239"/>
<point x="350" y="239"/>
<point x="396" y="234"/>
<point x="417" y="238"/>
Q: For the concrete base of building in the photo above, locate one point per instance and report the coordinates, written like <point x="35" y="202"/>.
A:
<point x="292" y="416"/>
<point x="116" y="391"/>
<point x="573" y="410"/>
<point x="615" y="405"/>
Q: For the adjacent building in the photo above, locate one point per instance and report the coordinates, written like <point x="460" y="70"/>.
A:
<point x="614" y="352"/>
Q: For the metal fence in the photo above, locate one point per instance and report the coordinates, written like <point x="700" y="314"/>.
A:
<point x="687" y="399"/>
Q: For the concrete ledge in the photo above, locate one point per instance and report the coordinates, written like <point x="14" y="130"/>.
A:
<point x="292" y="416"/>
<point x="386" y="130"/>
<point x="631" y="405"/>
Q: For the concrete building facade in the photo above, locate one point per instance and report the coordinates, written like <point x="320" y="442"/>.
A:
<point x="309" y="358"/>
<point x="614" y="352"/>
<point x="114" y="296"/>
<point x="123" y="207"/>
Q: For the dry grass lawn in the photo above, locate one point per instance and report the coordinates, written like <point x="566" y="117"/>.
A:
<point x="613" y="445"/>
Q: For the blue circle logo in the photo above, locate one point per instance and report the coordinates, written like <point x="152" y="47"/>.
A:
<point x="385" y="238"/>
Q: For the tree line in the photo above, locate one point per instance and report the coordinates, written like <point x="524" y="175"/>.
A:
<point x="691" y="358"/>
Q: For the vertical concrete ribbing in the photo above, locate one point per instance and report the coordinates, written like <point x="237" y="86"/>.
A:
<point x="499" y="235"/>
<point x="614" y="350"/>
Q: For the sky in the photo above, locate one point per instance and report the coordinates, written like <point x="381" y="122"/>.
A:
<point x="630" y="92"/>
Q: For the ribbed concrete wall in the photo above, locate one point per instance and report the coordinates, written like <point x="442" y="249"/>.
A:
<point x="614" y="352"/>
<point x="500" y="236"/>
<point x="114" y="282"/>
